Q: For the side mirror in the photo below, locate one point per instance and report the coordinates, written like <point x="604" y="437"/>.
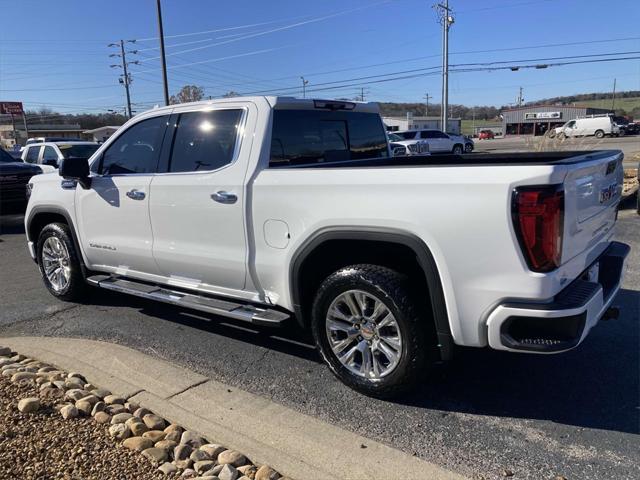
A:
<point x="76" y="168"/>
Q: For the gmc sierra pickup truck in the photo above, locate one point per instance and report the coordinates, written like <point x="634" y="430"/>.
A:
<point x="270" y="209"/>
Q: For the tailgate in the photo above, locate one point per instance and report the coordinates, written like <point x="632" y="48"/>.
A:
<point x="593" y="190"/>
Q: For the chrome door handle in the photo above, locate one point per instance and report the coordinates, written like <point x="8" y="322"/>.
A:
<point x="135" y="194"/>
<point x="224" y="197"/>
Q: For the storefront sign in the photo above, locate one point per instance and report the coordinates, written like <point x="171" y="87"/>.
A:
<point x="14" y="108"/>
<point x="542" y="115"/>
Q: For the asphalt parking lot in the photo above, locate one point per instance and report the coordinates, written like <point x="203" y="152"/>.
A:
<point x="575" y="415"/>
<point x="630" y="145"/>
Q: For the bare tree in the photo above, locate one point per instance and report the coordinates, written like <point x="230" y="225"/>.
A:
<point x="231" y="94"/>
<point x="188" y="93"/>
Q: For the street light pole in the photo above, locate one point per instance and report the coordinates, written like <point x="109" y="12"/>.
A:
<point x="162" y="55"/>
<point x="304" y="87"/>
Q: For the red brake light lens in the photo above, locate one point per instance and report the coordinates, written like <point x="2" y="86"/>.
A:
<point x="538" y="218"/>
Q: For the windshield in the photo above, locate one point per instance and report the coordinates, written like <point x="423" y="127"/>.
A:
<point x="407" y="135"/>
<point x="5" y="157"/>
<point x="78" y="151"/>
<point x="393" y="137"/>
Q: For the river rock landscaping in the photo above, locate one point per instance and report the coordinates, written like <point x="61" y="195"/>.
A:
<point x="56" y="424"/>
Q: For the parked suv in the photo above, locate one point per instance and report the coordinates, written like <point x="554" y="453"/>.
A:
<point x="50" y="154"/>
<point x="439" y="142"/>
<point x="401" y="146"/>
<point x="270" y="209"/>
<point x="14" y="183"/>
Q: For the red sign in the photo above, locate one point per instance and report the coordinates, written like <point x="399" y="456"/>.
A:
<point x="14" y="108"/>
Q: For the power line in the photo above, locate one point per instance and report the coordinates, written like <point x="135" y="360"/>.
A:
<point x="432" y="68"/>
<point x="424" y="57"/>
<point x="457" y="70"/>
<point x="279" y="29"/>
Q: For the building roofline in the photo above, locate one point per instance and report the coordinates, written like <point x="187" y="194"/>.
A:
<point x="551" y="106"/>
<point x="93" y="130"/>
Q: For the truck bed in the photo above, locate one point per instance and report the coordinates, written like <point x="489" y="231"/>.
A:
<point x="473" y="159"/>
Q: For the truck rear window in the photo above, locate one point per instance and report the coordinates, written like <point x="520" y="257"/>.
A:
<point x="318" y="136"/>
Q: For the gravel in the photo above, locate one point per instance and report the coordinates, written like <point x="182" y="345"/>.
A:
<point x="42" y="445"/>
<point x="35" y="443"/>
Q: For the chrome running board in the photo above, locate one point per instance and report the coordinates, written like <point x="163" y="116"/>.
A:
<point x="239" y="311"/>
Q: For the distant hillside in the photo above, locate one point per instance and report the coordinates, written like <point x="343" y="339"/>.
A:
<point x="483" y="112"/>
<point x="627" y="103"/>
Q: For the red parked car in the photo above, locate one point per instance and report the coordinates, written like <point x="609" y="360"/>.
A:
<point x="486" y="135"/>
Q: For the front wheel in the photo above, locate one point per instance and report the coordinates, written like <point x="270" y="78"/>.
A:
<point x="368" y="330"/>
<point x="59" y="263"/>
<point x="468" y="148"/>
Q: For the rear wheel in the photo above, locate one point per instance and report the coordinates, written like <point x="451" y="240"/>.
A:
<point x="457" y="149"/>
<point x="59" y="263"/>
<point x="468" y="148"/>
<point x="599" y="134"/>
<point x="368" y="330"/>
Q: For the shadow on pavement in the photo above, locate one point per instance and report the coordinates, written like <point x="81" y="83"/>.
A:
<point x="596" y="385"/>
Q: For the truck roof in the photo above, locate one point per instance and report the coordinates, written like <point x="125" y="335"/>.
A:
<point x="277" y="102"/>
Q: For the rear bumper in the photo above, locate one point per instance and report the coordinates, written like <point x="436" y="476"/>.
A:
<point x="564" y="322"/>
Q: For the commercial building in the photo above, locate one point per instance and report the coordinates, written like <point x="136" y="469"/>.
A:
<point x="539" y="119"/>
<point x="410" y="122"/>
<point x="15" y="133"/>
<point x="100" y="134"/>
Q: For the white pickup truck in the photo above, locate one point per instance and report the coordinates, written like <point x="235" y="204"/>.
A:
<point x="270" y="209"/>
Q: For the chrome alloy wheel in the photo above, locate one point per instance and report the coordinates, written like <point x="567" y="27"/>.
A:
<point x="363" y="334"/>
<point x="56" y="263"/>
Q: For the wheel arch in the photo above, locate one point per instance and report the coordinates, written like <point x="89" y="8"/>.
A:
<point x="42" y="215"/>
<point x="399" y="240"/>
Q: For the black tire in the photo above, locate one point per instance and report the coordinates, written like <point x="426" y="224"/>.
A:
<point x="393" y="290"/>
<point x="468" y="148"/>
<point x="599" y="134"/>
<point x="76" y="286"/>
<point x="457" y="149"/>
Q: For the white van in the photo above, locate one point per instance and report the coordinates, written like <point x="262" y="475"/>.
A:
<point x="598" y="125"/>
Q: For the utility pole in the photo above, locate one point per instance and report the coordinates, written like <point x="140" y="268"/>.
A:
<point x="362" y="94"/>
<point x="426" y="109"/>
<point x="446" y="19"/>
<point x="125" y="78"/>
<point x="520" y="98"/>
<point x="304" y="87"/>
<point x="165" y="82"/>
<point x="613" y="100"/>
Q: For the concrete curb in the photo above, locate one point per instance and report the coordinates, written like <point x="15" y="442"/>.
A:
<point x="296" y="445"/>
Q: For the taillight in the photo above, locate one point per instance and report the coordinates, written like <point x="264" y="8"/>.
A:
<point x="538" y="217"/>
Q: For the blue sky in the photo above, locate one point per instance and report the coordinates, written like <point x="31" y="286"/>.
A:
<point x="55" y="54"/>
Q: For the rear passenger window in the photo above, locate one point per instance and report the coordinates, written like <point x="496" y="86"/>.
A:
<point x="318" y="136"/>
<point x="32" y="154"/>
<point x="205" y="140"/>
<point x="136" y="150"/>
